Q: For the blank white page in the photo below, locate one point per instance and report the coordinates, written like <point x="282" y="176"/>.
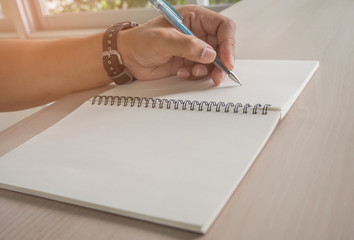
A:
<point x="172" y="167"/>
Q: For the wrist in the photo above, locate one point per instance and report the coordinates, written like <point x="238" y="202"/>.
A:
<point x="111" y="58"/>
<point x="123" y="47"/>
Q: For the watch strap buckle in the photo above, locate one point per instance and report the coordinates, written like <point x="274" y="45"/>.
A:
<point x="110" y="53"/>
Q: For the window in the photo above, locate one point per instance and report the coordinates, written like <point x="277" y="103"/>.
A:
<point x="57" y="18"/>
<point x="1" y="15"/>
<point x="60" y="6"/>
<point x="6" y="26"/>
<point x="79" y="14"/>
<point x="69" y="6"/>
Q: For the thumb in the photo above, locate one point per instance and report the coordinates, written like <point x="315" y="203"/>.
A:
<point x="191" y="48"/>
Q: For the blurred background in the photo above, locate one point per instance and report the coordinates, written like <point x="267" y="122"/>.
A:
<point x="62" y="18"/>
<point x="64" y="6"/>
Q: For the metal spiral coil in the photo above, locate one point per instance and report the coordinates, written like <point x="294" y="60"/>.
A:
<point x="179" y="104"/>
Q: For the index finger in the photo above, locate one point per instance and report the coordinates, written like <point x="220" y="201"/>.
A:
<point x="207" y="24"/>
<point x="227" y="42"/>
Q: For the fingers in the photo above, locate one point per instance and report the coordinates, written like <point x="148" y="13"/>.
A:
<point x="199" y="71"/>
<point x="189" y="47"/>
<point x="216" y="29"/>
<point x="218" y="76"/>
<point x="196" y="71"/>
<point x="227" y="44"/>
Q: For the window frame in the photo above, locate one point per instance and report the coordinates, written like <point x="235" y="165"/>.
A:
<point x="99" y="19"/>
<point x="7" y="29"/>
<point x="31" y="19"/>
<point x="6" y="24"/>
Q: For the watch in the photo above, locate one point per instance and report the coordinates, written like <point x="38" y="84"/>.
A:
<point x="111" y="59"/>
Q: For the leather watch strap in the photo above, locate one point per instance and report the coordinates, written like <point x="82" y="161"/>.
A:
<point x="111" y="58"/>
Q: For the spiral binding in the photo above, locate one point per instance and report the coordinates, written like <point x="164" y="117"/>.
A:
<point x="179" y="104"/>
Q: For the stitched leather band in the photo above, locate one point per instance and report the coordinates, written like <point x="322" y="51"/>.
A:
<point x="110" y="57"/>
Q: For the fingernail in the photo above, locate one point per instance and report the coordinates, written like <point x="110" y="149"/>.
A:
<point x="201" y="71"/>
<point x="222" y="76"/>
<point x="232" y="61"/>
<point x="208" y="55"/>
<point x="182" y="73"/>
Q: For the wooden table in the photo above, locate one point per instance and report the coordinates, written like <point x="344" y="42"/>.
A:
<point x="301" y="185"/>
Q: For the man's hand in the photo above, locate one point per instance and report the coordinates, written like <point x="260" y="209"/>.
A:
<point x="156" y="49"/>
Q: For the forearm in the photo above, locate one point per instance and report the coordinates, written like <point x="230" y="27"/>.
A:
<point x="35" y="72"/>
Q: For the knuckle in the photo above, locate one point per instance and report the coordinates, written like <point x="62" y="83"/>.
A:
<point x="191" y="45"/>
<point x="233" y="24"/>
<point x="157" y="34"/>
<point x="229" y="23"/>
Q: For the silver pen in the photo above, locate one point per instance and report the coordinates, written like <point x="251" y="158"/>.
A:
<point x="176" y="20"/>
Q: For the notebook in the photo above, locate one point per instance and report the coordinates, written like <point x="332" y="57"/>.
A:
<point x="168" y="151"/>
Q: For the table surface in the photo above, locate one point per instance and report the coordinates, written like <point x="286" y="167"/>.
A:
<point x="301" y="185"/>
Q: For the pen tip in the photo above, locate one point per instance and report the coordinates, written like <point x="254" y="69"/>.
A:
<point x="233" y="77"/>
